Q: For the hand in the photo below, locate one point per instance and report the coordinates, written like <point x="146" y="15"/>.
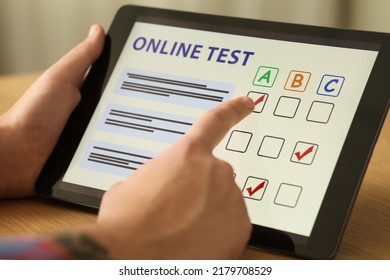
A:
<point x="31" y="128"/>
<point x="184" y="204"/>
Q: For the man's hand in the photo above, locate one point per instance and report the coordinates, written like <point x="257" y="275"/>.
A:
<point x="31" y="128"/>
<point x="184" y="204"/>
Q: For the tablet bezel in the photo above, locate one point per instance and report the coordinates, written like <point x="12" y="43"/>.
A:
<point x="338" y="201"/>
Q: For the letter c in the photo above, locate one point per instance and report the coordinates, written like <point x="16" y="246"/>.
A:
<point x="326" y="87"/>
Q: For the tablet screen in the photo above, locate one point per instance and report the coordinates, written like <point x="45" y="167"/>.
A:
<point x="283" y="154"/>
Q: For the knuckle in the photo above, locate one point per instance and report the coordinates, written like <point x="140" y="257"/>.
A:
<point x="191" y="146"/>
<point x="221" y="118"/>
<point x="223" y="170"/>
<point x="225" y="166"/>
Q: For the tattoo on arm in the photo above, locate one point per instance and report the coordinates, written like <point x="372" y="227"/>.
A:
<point x="82" y="246"/>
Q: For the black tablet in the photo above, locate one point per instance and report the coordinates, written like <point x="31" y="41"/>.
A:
<point x="321" y="96"/>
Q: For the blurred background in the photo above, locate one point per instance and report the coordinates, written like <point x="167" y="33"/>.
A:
<point x="35" y="33"/>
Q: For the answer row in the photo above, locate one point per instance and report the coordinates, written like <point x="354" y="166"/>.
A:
<point x="287" y="107"/>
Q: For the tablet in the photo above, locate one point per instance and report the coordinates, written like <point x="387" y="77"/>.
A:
<point x="321" y="96"/>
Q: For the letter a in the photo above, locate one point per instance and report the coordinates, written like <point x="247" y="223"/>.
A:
<point x="266" y="76"/>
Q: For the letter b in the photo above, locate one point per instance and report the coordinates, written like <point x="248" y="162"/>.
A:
<point x="297" y="81"/>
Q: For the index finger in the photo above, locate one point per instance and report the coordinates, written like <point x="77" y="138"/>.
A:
<point x="213" y="125"/>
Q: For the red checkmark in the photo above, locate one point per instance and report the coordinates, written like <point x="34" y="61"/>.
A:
<point x="305" y="153"/>
<point x="259" y="100"/>
<point x="252" y="191"/>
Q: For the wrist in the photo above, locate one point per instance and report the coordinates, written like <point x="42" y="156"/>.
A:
<point x="114" y="246"/>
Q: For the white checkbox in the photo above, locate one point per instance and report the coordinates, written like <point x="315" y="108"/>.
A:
<point x="288" y="195"/>
<point x="320" y="112"/>
<point x="287" y="107"/>
<point x="270" y="147"/>
<point x="260" y="99"/>
<point x="239" y="141"/>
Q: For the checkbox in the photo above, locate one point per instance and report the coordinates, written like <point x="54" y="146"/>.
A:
<point x="270" y="147"/>
<point x="288" y="195"/>
<point x="254" y="188"/>
<point x="239" y="141"/>
<point x="260" y="98"/>
<point x="320" y="112"/>
<point x="304" y="153"/>
<point x="287" y="107"/>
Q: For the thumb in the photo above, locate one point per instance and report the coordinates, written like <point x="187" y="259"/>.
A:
<point x="71" y="68"/>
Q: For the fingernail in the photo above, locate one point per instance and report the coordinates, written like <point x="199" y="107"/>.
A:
<point x="248" y="102"/>
<point x="92" y="30"/>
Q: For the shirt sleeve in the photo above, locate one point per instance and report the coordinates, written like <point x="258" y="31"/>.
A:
<point x="33" y="248"/>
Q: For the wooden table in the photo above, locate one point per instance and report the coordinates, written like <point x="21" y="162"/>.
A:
<point x="367" y="235"/>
